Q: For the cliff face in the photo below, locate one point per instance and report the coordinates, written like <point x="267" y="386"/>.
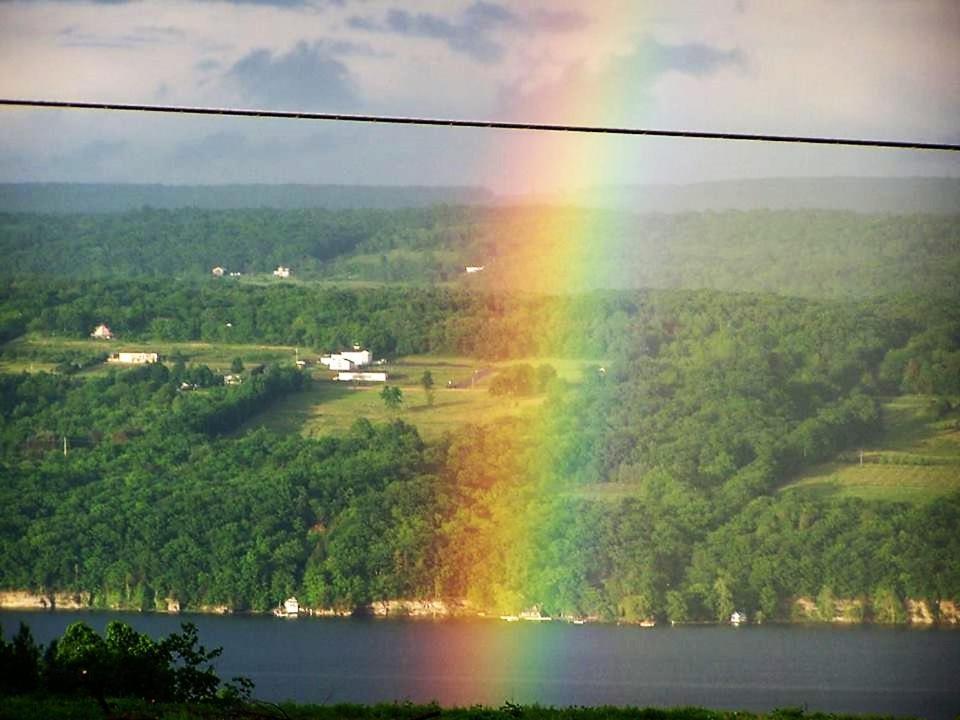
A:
<point x="854" y="610"/>
<point x="25" y="600"/>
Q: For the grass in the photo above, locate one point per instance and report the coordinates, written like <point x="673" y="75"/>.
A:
<point x="217" y="355"/>
<point x="75" y="708"/>
<point x="916" y="459"/>
<point x="328" y="407"/>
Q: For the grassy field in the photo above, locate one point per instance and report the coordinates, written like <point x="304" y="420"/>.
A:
<point x="916" y="459"/>
<point x="215" y="355"/>
<point x="327" y="407"/>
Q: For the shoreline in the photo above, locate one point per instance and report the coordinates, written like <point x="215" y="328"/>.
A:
<point x="916" y="613"/>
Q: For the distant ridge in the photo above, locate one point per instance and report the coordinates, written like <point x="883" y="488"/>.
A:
<point x="97" y="198"/>
<point x="866" y="195"/>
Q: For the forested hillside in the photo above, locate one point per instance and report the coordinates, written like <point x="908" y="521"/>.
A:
<point x="555" y="250"/>
<point x="649" y="489"/>
<point x="106" y="198"/>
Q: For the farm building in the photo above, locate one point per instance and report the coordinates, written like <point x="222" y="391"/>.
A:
<point x="218" y="271"/>
<point x="471" y="269"/>
<point x="134" y="358"/>
<point x="102" y="332"/>
<point x="282" y="272"/>
<point x="362" y="376"/>
<point x="348" y="359"/>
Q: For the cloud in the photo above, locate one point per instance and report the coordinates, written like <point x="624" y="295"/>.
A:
<point x="211" y="148"/>
<point x="306" y="77"/>
<point x="93" y="159"/>
<point x="471" y="33"/>
<point x="137" y="37"/>
<point x="692" y="58"/>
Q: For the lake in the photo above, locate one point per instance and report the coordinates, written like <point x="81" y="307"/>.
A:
<point x="463" y="662"/>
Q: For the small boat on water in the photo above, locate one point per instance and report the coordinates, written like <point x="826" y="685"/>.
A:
<point x="510" y="618"/>
<point x="289" y="609"/>
<point x="534" y="615"/>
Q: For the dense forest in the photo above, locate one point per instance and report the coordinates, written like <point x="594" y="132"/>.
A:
<point x="551" y="249"/>
<point x="650" y="489"/>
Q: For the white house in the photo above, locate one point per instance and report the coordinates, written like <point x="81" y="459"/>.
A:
<point x="348" y="359"/>
<point x="102" y="332"/>
<point x="357" y="356"/>
<point x="282" y="272"/>
<point x="362" y="376"/>
<point x="336" y="362"/>
<point x="471" y="269"/>
<point x="737" y="617"/>
<point x="134" y="358"/>
<point x="218" y="271"/>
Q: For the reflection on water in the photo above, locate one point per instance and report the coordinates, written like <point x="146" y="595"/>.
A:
<point x="863" y="669"/>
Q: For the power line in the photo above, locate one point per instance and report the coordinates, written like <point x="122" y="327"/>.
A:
<point x="489" y="124"/>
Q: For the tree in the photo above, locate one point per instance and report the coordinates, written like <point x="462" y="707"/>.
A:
<point x="392" y="396"/>
<point x="236" y="366"/>
<point x="426" y="380"/>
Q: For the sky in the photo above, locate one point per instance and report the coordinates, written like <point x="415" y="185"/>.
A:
<point x="886" y="69"/>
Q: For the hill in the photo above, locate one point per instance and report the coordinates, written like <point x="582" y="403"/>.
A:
<point x="866" y="195"/>
<point x="99" y="198"/>
<point x="555" y="250"/>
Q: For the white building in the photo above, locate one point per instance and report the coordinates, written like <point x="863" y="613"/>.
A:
<point x="474" y="269"/>
<point x="218" y="271"/>
<point x="362" y="376"/>
<point x="348" y="359"/>
<point x="102" y="332"/>
<point x="134" y="358"/>
<point x="282" y="272"/>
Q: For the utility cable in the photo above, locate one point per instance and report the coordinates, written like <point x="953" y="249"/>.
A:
<point x="490" y="124"/>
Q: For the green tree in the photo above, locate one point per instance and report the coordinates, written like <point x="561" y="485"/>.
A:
<point x="722" y="600"/>
<point x="826" y="604"/>
<point x="426" y="381"/>
<point x="236" y="366"/>
<point x="392" y="396"/>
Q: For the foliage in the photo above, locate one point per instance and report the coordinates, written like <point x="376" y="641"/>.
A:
<point x="392" y="396"/>
<point x="651" y="488"/>
<point x="122" y="663"/>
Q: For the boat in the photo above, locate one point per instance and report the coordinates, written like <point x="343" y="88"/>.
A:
<point x="510" y="618"/>
<point x="534" y="615"/>
<point x="289" y="609"/>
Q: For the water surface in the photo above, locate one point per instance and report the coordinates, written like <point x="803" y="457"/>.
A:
<point x="463" y="662"/>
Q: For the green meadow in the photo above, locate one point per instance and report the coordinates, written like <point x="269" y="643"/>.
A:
<point x="33" y="352"/>
<point x="325" y="406"/>
<point x="917" y="458"/>
<point x="328" y="407"/>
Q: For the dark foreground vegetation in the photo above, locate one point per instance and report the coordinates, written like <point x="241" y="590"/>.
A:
<point x="47" y="708"/>
<point x="121" y="663"/>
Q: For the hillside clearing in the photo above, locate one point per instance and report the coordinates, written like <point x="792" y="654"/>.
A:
<point x="916" y="459"/>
